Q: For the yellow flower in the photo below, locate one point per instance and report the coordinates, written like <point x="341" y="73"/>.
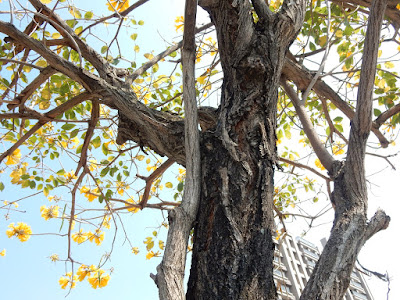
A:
<point x="337" y="149"/>
<point x="131" y="209"/>
<point x="3" y="253"/>
<point x="202" y="79"/>
<point x="67" y="280"/>
<point x="84" y="271"/>
<point x="121" y="186"/>
<point x="69" y="176"/>
<point x="90" y="194"/>
<point x="106" y="222"/>
<point x="22" y="231"/>
<point x="70" y="144"/>
<point x="151" y="254"/>
<point x="179" y="21"/>
<point x="97" y="236"/>
<point x="319" y="165"/>
<point x="16" y="175"/>
<point x="49" y="213"/>
<point x="14" y="158"/>
<point x="135" y="250"/>
<point x="80" y="237"/>
<point x="92" y="165"/>
<point x="54" y="257"/>
<point x="118" y="5"/>
<point x="99" y="280"/>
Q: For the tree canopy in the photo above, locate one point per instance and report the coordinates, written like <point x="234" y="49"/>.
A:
<point x="93" y="119"/>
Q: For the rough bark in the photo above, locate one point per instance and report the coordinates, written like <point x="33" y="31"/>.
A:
<point x="233" y="248"/>
<point x="331" y="276"/>
<point x="171" y="271"/>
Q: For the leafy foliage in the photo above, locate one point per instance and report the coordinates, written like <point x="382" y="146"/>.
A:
<point x="56" y="141"/>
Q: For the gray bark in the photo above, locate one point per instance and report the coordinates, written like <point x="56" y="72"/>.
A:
<point x="233" y="248"/>
<point x="331" y="276"/>
<point x="171" y="271"/>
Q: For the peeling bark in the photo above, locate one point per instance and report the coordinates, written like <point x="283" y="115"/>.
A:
<point x="233" y="247"/>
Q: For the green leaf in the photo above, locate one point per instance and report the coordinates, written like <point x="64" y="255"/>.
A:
<point x="88" y="15"/>
<point x="180" y="186"/>
<point x="74" y="133"/>
<point x="96" y="142"/>
<point x="1" y="186"/>
<point x="104" y="172"/>
<point x="312" y="46"/>
<point x="68" y="126"/>
<point x="104" y="49"/>
<point x="134" y="36"/>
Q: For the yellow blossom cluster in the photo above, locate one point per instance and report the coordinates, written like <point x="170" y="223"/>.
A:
<point x="97" y="236"/>
<point x="68" y="279"/>
<point x="90" y="194"/>
<point x="49" y="212"/>
<point x="14" y="158"/>
<point x="3" y="253"/>
<point x="69" y="176"/>
<point x="79" y="237"/>
<point x="22" y="231"/>
<point x="17" y="173"/>
<point x="96" y="277"/>
<point x="179" y="23"/>
<point x="121" y="187"/>
<point x="151" y="254"/>
<point x="54" y="257"/>
<point x="71" y="143"/>
<point x="131" y="209"/>
<point x="117" y="5"/>
<point x="319" y="164"/>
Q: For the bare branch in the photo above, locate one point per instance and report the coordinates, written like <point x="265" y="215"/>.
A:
<point x="150" y="179"/>
<point x="171" y="271"/>
<point x="387" y="115"/>
<point x="306" y="167"/>
<point x="324" y="156"/>
<point x="89" y="134"/>
<point x="161" y="55"/>
<point x="302" y="78"/>
<point x="32" y="87"/>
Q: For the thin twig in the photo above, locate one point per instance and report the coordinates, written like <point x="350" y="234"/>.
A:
<point x="150" y="179"/>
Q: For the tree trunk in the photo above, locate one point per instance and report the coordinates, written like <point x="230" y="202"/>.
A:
<point x="233" y="247"/>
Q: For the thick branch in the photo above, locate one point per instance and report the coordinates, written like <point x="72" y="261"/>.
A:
<point x="171" y="271"/>
<point x="324" y="156"/>
<point x="302" y="78"/>
<point x="362" y="122"/>
<point x="32" y="87"/>
<point x="387" y="115"/>
<point x="161" y="131"/>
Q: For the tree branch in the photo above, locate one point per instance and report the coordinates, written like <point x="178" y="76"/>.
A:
<point x="47" y="117"/>
<point x="323" y="155"/>
<point x="302" y="78"/>
<point x="386" y="115"/>
<point x="170" y="272"/>
<point x="150" y="179"/>
<point x="362" y="121"/>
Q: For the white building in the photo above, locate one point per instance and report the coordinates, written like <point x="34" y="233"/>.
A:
<point x="293" y="263"/>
